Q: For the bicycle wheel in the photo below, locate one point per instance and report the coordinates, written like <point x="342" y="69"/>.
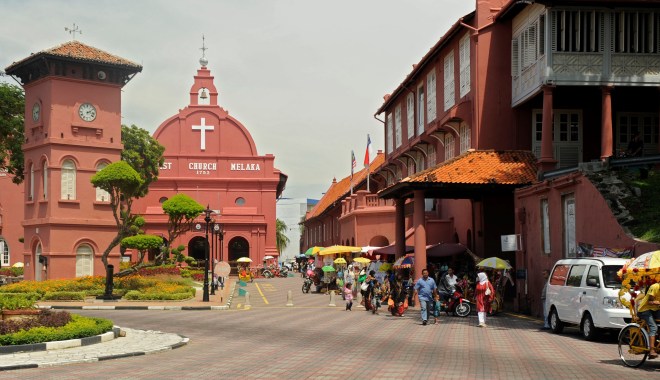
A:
<point x="633" y="346"/>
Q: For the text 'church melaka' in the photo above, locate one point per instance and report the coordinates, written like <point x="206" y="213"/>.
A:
<point x="73" y="130"/>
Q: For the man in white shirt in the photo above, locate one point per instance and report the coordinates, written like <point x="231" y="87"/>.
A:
<point x="448" y="284"/>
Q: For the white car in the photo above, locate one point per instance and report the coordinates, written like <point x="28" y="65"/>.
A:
<point x="585" y="292"/>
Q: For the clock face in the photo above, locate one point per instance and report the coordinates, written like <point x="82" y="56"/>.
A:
<point x="36" y="111"/>
<point x="87" y="112"/>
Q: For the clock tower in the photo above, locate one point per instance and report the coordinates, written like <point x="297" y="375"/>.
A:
<point x="72" y="130"/>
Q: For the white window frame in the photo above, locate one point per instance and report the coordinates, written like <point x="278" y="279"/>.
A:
<point x="397" y="126"/>
<point x="545" y="226"/>
<point x="450" y="85"/>
<point x="464" y="64"/>
<point x="44" y="178"/>
<point x="421" y="111"/>
<point x="431" y="100"/>
<point x="101" y="195"/>
<point x="84" y="260"/>
<point x="31" y="189"/>
<point x="68" y="182"/>
<point x="450" y="143"/>
<point x="5" y="257"/>
<point x="432" y="159"/>
<point x="465" y="135"/>
<point x="410" y="115"/>
<point x="390" y="132"/>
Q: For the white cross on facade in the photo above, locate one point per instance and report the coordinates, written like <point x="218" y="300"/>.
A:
<point x="203" y="128"/>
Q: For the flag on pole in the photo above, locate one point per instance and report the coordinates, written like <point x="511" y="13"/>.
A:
<point x="353" y="163"/>
<point x="368" y="153"/>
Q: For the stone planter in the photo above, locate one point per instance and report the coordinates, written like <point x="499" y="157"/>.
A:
<point x="8" y="315"/>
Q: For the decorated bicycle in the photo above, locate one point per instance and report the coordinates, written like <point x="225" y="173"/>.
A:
<point x="635" y="339"/>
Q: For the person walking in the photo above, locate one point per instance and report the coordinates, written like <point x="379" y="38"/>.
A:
<point x="348" y="295"/>
<point x="484" y="294"/>
<point x="546" y="275"/>
<point x="425" y="289"/>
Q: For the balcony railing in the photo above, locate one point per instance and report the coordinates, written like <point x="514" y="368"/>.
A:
<point x="363" y="200"/>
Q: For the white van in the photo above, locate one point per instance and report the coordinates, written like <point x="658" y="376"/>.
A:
<point x="585" y="292"/>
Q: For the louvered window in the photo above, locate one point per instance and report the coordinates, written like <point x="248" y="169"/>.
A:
<point x="420" y="110"/>
<point x="449" y="81"/>
<point x="410" y="115"/>
<point x="432" y="160"/>
<point x="397" y="125"/>
<point x="465" y="133"/>
<point x="31" y="193"/>
<point x="102" y="195"/>
<point x="578" y="31"/>
<point x="431" y="98"/>
<point x="68" y="180"/>
<point x="84" y="261"/>
<point x="636" y="32"/>
<point x="449" y="146"/>
<point x="44" y="179"/>
<point x="515" y="57"/>
<point x="464" y="58"/>
<point x="4" y="253"/>
<point x="390" y="135"/>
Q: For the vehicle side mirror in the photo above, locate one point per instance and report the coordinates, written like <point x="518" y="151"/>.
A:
<point x="592" y="282"/>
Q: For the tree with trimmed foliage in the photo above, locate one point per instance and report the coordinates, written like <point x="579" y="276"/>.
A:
<point x="281" y="239"/>
<point x="181" y="211"/>
<point x="142" y="243"/>
<point x="12" y="108"/>
<point x="144" y="153"/>
<point x="123" y="184"/>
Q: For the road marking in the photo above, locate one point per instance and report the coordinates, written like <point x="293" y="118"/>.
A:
<point x="521" y="317"/>
<point x="262" y="294"/>
<point x="268" y="287"/>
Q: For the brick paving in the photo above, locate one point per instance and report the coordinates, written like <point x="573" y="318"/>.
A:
<point x="312" y="340"/>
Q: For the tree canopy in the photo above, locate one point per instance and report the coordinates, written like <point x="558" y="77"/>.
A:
<point x="280" y="237"/>
<point x="181" y="211"/>
<point x="144" y="153"/>
<point x="142" y="243"/>
<point x="12" y="108"/>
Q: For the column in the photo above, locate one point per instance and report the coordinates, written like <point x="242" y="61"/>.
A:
<point x="606" y="142"/>
<point x="420" y="232"/>
<point x="399" y="227"/>
<point x="547" y="161"/>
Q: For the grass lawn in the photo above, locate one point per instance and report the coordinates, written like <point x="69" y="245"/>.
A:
<point x="645" y="209"/>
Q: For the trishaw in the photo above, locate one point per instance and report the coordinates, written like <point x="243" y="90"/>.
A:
<point x="244" y="274"/>
<point x="634" y="342"/>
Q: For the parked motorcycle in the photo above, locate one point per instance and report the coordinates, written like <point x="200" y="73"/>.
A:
<point x="267" y="273"/>
<point x="457" y="305"/>
<point x="284" y="272"/>
<point x="307" y="284"/>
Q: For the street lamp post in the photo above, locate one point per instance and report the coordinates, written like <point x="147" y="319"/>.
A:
<point x="214" y="235"/>
<point x="207" y="219"/>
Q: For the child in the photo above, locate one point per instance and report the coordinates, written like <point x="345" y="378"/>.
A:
<point x="348" y="294"/>
<point x="436" y="307"/>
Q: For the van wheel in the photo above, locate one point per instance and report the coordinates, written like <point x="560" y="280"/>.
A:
<point x="556" y="325"/>
<point x="589" y="331"/>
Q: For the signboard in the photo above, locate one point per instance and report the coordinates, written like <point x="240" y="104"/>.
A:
<point x="510" y="243"/>
<point x="222" y="269"/>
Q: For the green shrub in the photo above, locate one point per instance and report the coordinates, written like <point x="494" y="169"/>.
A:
<point x="16" y="301"/>
<point x="79" y="327"/>
<point x="157" y="296"/>
<point x="68" y="296"/>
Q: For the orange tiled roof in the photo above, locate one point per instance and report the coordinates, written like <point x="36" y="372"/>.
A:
<point x="79" y="51"/>
<point x="478" y="167"/>
<point x="340" y="189"/>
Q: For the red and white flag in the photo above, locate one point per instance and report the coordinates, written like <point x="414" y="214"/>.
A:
<point x="353" y="163"/>
<point x="368" y="153"/>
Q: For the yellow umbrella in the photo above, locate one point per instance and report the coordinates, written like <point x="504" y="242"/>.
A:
<point x="334" y="249"/>
<point x="362" y="260"/>
<point x="494" y="263"/>
<point x="340" y="260"/>
<point x="311" y="251"/>
<point x="244" y="260"/>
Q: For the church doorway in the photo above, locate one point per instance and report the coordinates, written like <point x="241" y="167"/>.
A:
<point x="196" y="247"/>
<point x="238" y="247"/>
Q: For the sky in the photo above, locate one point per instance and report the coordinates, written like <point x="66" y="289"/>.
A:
<point x="305" y="77"/>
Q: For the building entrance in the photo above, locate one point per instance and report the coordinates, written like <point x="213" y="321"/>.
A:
<point x="196" y="247"/>
<point x="238" y="247"/>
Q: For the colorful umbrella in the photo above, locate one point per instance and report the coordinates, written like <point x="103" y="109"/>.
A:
<point x="311" y="251"/>
<point x="494" y="263"/>
<point x="340" y="260"/>
<point x="268" y="257"/>
<point x="649" y="260"/>
<point x="334" y="249"/>
<point x="244" y="260"/>
<point x="328" y="268"/>
<point x="362" y="260"/>
<point x="385" y="267"/>
<point x="406" y="261"/>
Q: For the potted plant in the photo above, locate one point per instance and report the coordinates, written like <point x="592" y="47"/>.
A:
<point x="18" y="306"/>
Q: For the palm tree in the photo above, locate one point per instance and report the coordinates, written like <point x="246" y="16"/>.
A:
<point x="280" y="236"/>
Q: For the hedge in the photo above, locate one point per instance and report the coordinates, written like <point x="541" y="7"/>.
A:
<point x="79" y="327"/>
<point x="137" y="295"/>
<point x="66" y="296"/>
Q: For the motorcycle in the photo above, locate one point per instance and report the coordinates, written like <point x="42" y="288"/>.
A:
<point x="284" y="272"/>
<point x="457" y="305"/>
<point x="307" y="284"/>
<point x="267" y="273"/>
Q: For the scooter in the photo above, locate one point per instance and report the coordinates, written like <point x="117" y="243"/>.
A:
<point x="307" y="284"/>
<point x="457" y="305"/>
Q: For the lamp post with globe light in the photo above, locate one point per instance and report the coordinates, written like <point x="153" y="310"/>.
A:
<point x="207" y="219"/>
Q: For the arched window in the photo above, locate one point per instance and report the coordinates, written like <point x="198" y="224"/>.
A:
<point x="84" y="260"/>
<point x="102" y="195"/>
<point x="44" y="179"/>
<point x="449" y="146"/>
<point x="68" y="180"/>
<point x="31" y="191"/>
<point x="4" y="253"/>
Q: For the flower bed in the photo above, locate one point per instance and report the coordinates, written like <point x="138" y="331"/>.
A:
<point x="77" y="327"/>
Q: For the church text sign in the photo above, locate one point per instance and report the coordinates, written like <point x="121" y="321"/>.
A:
<point x="239" y="166"/>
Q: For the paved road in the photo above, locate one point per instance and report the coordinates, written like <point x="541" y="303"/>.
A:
<point x="313" y="340"/>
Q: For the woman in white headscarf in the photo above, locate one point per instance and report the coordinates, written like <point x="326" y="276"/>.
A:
<point x="484" y="294"/>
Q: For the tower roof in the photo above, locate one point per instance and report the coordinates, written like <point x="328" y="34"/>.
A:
<point x="77" y="51"/>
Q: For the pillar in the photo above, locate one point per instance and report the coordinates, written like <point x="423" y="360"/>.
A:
<point x="606" y="141"/>
<point x="420" y="232"/>
<point x="547" y="161"/>
<point x="399" y="227"/>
